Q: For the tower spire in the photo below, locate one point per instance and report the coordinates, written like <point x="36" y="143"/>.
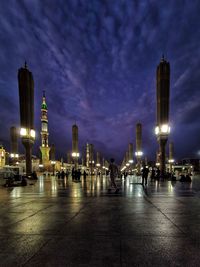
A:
<point x="25" y="64"/>
<point x="44" y="148"/>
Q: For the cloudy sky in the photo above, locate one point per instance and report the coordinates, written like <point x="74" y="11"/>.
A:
<point x="96" y="59"/>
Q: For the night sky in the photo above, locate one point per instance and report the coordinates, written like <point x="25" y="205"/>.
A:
<point x="97" y="60"/>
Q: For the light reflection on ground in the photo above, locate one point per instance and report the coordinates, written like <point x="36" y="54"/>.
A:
<point x="98" y="186"/>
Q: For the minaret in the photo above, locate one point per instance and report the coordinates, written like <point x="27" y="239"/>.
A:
<point x="44" y="148"/>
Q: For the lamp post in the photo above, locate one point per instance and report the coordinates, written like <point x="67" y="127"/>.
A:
<point x="171" y="156"/>
<point x="14" y="145"/>
<point x="75" y="153"/>
<point x="53" y="157"/>
<point x="138" y="152"/>
<point x="130" y="152"/>
<point x="162" y="128"/>
<point x="98" y="164"/>
<point x="26" y="101"/>
<point x="91" y="158"/>
<point x="53" y="163"/>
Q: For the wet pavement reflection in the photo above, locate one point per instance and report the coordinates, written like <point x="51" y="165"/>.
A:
<point x="60" y="222"/>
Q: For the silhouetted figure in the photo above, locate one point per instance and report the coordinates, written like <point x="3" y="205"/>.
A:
<point x="153" y="174"/>
<point x="125" y="175"/>
<point x="182" y="178"/>
<point x="23" y="182"/>
<point x="173" y="177"/>
<point x="185" y="178"/>
<point x="73" y="174"/>
<point x="113" y="174"/>
<point x="188" y="178"/>
<point x="158" y="174"/>
<point x="78" y="175"/>
<point x="58" y="175"/>
<point x="145" y="172"/>
<point x="84" y="175"/>
<point x="34" y="175"/>
<point x="63" y="175"/>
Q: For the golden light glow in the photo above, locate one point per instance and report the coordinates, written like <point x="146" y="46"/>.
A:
<point x="138" y="153"/>
<point x="27" y="133"/>
<point x="32" y="133"/>
<point x="23" y="131"/>
<point x="163" y="129"/>
<point x="75" y="154"/>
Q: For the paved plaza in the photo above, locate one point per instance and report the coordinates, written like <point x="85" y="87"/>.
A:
<point x="53" y="222"/>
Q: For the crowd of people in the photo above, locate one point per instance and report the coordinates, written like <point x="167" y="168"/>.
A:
<point x="153" y="174"/>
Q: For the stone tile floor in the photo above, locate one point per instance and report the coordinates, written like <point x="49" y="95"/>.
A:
<point x="63" y="223"/>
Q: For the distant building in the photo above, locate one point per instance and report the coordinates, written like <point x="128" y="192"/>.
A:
<point x="2" y="156"/>
<point x="195" y="163"/>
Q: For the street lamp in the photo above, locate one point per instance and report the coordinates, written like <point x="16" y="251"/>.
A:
<point x="53" y="163"/>
<point x="26" y="100"/>
<point x="162" y="129"/>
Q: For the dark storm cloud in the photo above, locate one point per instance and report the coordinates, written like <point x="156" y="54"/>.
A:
<point x="96" y="60"/>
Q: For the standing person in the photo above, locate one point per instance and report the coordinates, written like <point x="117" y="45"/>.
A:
<point x="145" y="172"/>
<point x="73" y="174"/>
<point x="158" y="174"/>
<point x="113" y="174"/>
<point x="78" y="175"/>
<point x="84" y="175"/>
<point x="62" y="174"/>
<point x="153" y="174"/>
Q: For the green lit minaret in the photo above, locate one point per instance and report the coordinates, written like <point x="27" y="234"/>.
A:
<point x="44" y="148"/>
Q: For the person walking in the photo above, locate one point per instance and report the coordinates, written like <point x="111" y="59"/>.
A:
<point x="113" y="174"/>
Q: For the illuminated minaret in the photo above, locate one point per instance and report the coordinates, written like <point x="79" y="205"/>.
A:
<point x="44" y="148"/>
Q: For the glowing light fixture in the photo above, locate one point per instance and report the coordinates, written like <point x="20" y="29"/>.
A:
<point x="138" y="153"/>
<point x="32" y="133"/>
<point x="75" y="154"/>
<point x="163" y="129"/>
<point x="23" y="131"/>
